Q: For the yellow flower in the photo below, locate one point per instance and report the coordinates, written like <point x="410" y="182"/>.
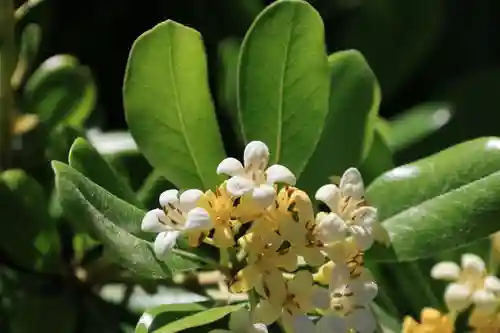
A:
<point x="431" y="321"/>
<point x="293" y="300"/>
<point x="292" y="216"/>
<point x="483" y="322"/>
<point x="355" y="263"/>
<point x="266" y="256"/>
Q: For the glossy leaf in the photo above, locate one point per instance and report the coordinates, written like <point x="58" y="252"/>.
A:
<point x="350" y="124"/>
<point x="27" y="233"/>
<point x="199" y="319"/>
<point x="387" y="323"/>
<point x="61" y="89"/>
<point x="164" y="314"/>
<point x="378" y="160"/>
<point x="85" y="158"/>
<point x="89" y="205"/>
<point x="439" y="203"/>
<point x="283" y="82"/>
<point x="435" y="175"/>
<point x="417" y="123"/>
<point x="169" y="108"/>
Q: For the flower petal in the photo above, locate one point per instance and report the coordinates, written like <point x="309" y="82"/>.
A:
<point x="320" y="297"/>
<point x="330" y="228"/>
<point x="230" y="166"/>
<point x="457" y="296"/>
<point x="198" y="219"/>
<point x="362" y="236"/>
<point x="351" y="184"/>
<point x="151" y="222"/>
<point x="164" y="242"/>
<point x="266" y="313"/>
<point x="278" y="173"/>
<point x="445" y="270"/>
<point x="331" y="323"/>
<point x="365" y="216"/>
<point x="329" y="194"/>
<point x="364" y="287"/>
<point x="256" y="156"/>
<point x="363" y="321"/>
<point x="339" y="276"/>
<point x="264" y="195"/>
<point x="223" y="237"/>
<point x="239" y="185"/>
<point x="301" y="283"/>
<point x="492" y="283"/>
<point x="189" y="199"/>
<point x="484" y="301"/>
<point x="473" y="265"/>
<point x="169" y="197"/>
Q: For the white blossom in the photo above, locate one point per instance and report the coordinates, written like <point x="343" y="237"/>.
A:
<point x="347" y="304"/>
<point x="470" y="284"/>
<point x="252" y="176"/>
<point x="349" y="215"/>
<point x="178" y="215"/>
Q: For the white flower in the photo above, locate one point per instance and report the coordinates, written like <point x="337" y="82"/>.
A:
<point x="240" y="322"/>
<point x="252" y="176"/>
<point x="470" y="284"/>
<point x="347" y="303"/>
<point x="349" y="215"/>
<point x="178" y="215"/>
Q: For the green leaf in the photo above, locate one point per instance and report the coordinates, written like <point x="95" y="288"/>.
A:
<point x="27" y="233"/>
<point x="379" y="159"/>
<point x="61" y="89"/>
<point x="60" y="140"/>
<point x="164" y="314"/>
<point x="30" y="42"/>
<point x="283" y="82"/>
<point x="350" y="124"/>
<point x="169" y="108"/>
<point x="89" y="205"/>
<point x="439" y="203"/>
<point x="417" y="123"/>
<point x="84" y="158"/>
<point x="199" y="319"/>
<point x="386" y="322"/>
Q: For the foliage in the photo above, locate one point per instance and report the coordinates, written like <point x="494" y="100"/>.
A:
<point x="73" y="199"/>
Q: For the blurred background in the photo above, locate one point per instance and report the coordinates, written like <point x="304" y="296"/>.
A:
<point x="421" y="51"/>
<point x="437" y="61"/>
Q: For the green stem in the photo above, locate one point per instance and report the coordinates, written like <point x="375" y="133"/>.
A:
<point x="188" y="255"/>
<point x="8" y="57"/>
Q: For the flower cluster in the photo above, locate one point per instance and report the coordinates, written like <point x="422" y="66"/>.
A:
<point x="470" y="285"/>
<point x="296" y="261"/>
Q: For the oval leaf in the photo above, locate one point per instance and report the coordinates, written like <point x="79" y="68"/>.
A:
<point x="87" y="204"/>
<point x="417" y="123"/>
<point x="349" y="126"/>
<point x="283" y="82"/>
<point x="439" y="203"/>
<point x="435" y="175"/>
<point x="61" y="89"/>
<point x="85" y="158"/>
<point x="199" y="319"/>
<point x="169" y="108"/>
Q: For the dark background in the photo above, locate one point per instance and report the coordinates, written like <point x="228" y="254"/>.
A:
<point x="420" y="50"/>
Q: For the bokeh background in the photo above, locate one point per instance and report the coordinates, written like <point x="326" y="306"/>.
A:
<point x="421" y="50"/>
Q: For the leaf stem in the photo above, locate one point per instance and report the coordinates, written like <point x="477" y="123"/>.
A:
<point x="8" y="55"/>
<point x="191" y="256"/>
